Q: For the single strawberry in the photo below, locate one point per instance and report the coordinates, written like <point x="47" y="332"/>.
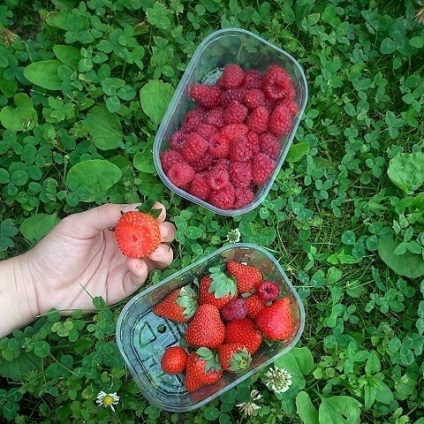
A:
<point x="181" y="174"/>
<point x="137" y="234"/>
<point x="246" y="275"/>
<point x="179" y="305"/>
<point x="207" y="96"/>
<point x="232" y="76"/>
<point x="262" y="168"/>
<point x="244" y="332"/>
<point x="276" y="321"/>
<point x="206" y="328"/>
<point x="254" y="304"/>
<point x="216" y="288"/>
<point x="268" y="290"/>
<point x="234" y="310"/>
<point x="174" y="360"/>
<point x="234" y="357"/>
<point x="224" y="198"/>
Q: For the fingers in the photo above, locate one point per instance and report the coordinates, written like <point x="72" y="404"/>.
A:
<point x="167" y="232"/>
<point x="161" y="258"/>
<point x="137" y="275"/>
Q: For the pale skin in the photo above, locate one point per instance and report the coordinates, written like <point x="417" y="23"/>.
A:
<point x="77" y="261"/>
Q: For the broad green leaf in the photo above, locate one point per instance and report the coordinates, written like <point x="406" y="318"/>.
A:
<point x="105" y="128"/>
<point x="407" y="265"/>
<point x="297" y="151"/>
<point x="8" y="87"/>
<point x="417" y="42"/>
<point x="143" y="161"/>
<point x="37" y="226"/>
<point x="193" y="232"/>
<point x="22" y="117"/>
<point x="305" y="409"/>
<point x="155" y="97"/>
<point x="343" y="257"/>
<point x="406" y="170"/>
<point x="68" y="55"/>
<point x="18" y="368"/>
<point x="339" y="410"/>
<point x="44" y="74"/>
<point x="373" y="364"/>
<point x="299" y="358"/>
<point x="93" y="178"/>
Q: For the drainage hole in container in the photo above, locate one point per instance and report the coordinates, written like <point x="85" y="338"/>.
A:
<point x="161" y="328"/>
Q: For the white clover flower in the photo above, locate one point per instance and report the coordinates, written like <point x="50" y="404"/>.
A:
<point x="233" y="236"/>
<point x="248" y="408"/>
<point x="278" y="380"/>
<point x="107" y="400"/>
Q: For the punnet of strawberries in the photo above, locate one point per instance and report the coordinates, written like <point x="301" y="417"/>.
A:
<point x="228" y="145"/>
<point x="229" y="312"/>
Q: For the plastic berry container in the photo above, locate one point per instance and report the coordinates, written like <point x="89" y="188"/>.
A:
<point x="219" y="49"/>
<point x="142" y="336"/>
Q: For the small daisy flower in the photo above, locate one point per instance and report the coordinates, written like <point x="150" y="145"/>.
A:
<point x="107" y="400"/>
<point x="278" y="380"/>
<point x="248" y="408"/>
<point x="420" y="15"/>
<point x="233" y="236"/>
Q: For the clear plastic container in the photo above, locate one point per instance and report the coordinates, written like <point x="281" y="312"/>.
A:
<point x="142" y="336"/>
<point x="222" y="47"/>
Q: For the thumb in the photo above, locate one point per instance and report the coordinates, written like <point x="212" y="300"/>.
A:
<point x="137" y="275"/>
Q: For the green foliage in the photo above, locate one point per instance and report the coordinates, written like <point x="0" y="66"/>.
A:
<point x="83" y="89"/>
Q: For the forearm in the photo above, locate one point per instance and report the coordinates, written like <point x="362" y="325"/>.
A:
<point x="18" y="297"/>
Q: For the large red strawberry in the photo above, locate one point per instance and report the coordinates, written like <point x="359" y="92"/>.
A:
<point x="234" y="357"/>
<point x="202" y="369"/>
<point x="137" y="234"/>
<point x="206" y="328"/>
<point x="276" y="321"/>
<point x="179" y="305"/>
<point x="216" y="289"/>
<point x="174" y="360"/>
<point x="243" y="331"/>
<point x="246" y="275"/>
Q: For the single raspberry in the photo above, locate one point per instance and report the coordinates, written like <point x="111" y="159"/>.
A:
<point x="177" y="140"/>
<point x="181" y="174"/>
<point x="234" y="310"/>
<point x="217" y="178"/>
<point x="192" y="120"/>
<point x="262" y="167"/>
<point x="232" y="76"/>
<point x="199" y="186"/>
<point x="215" y="117"/>
<point x="291" y="106"/>
<point x="268" y="290"/>
<point x="206" y="131"/>
<point x="254" y="304"/>
<point x="269" y="145"/>
<point x="276" y="83"/>
<point x="235" y="113"/>
<point x="270" y="104"/>
<point x="219" y="146"/>
<point x="258" y="120"/>
<point x="223" y="199"/>
<point x="240" y="150"/>
<point x="168" y="158"/>
<point x="229" y="95"/>
<point x="207" y="96"/>
<point x="280" y="121"/>
<point x="252" y="79"/>
<point x="254" y="98"/>
<point x="234" y="131"/>
<point x="194" y="147"/>
<point x="243" y="197"/>
<point x="253" y="141"/>
<point x="223" y="163"/>
<point x="240" y="174"/>
<point x="204" y="163"/>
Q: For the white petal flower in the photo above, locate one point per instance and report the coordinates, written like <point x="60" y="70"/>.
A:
<point x="248" y="408"/>
<point x="107" y="400"/>
<point x="278" y="380"/>
<point x="233" y="236"/>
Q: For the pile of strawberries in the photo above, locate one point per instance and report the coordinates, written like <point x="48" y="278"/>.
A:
<point x="229" y="316"/>
<point x="228" y="144"/>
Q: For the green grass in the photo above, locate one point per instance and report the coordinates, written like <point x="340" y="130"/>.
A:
<point x="343" y="218"/>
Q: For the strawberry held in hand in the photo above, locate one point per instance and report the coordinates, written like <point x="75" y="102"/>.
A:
<point x="137" y="234"/>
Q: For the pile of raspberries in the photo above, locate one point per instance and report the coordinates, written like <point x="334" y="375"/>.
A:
<point x="227" y="146"/>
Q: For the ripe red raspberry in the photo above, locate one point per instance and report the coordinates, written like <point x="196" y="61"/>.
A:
<point x="177" y="140"/>
<point x="192" y="120"/>
<point x="252" y="79"/>
<point x="258" y="120"/>
<point x="280" y="121"/>
<point x="199" y="186"/>
<point x="253" y="141"/>
<point x="235" y="113"/>
<point x="270" y="104"/>
<point x="219" y="146"/>
<point x="240" y="150"/>
<point x="168" y="158"/>
<point x="269" y="145"/>
<point x="223" y="199"/>
<point x="254" y="98"/>
<point x="194" y="147"/>
<point x="232" y="76"/>
<point x="291" y="106"/>
<point x="268" y="290"/>
<point x="234" y="310"/>
<point x="181" y="174"/>
<point x="276" y="83"/>
<point x="223" y="163"/>
<point x="206" y="131"/>
<point x="215" y="117"/>
<point x="217" y="178"/>
<point x="234" y="131"/>
<point x="243" y="197"/>
<point x="204" y="163"/>
<point x="207" y="96"/>
<point x="262" y="167"/>
<point x="229" y="95"/>
<point x="240" y="174"/>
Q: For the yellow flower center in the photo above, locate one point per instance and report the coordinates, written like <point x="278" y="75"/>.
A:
<point x="108" y="400"/>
